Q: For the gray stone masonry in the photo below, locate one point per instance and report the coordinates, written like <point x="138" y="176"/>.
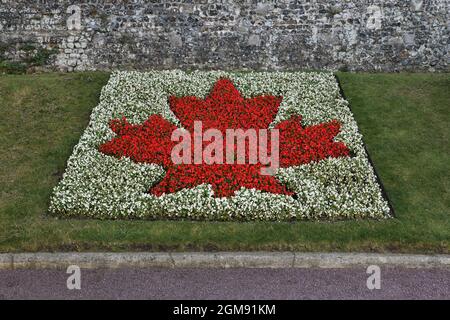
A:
<point x="368" y="35"/>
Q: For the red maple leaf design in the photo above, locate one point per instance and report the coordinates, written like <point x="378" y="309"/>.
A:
<point x="224" y="108"/>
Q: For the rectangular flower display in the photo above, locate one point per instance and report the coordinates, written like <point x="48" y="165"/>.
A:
<point x="268" y="146"/>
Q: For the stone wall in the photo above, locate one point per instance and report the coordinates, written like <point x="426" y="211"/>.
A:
<point x="232" y="34"/>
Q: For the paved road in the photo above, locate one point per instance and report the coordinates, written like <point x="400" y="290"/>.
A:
<point x="226" y="284"/>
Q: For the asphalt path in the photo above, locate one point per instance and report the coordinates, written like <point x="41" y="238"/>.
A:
<point x="395" y="283"/>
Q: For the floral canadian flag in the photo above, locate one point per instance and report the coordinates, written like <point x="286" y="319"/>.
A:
<point x="223" y="111"/>
<point x="220" y="146"/>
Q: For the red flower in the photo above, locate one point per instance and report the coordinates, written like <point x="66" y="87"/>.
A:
<point x="223" y="109"/>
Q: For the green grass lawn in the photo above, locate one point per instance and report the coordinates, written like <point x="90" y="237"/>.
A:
<point x="404" y="119"/>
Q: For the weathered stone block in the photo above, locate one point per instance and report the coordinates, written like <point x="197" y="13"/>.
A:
<point x="205" y="34"/>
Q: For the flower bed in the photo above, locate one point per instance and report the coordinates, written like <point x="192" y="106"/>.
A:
<point x="123" y="166"/>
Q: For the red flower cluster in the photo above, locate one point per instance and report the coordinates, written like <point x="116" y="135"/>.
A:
<point x="223" y="109"/>
<point x="149" y="142"/>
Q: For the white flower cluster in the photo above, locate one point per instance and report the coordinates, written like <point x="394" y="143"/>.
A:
<point x="101" y="186"/>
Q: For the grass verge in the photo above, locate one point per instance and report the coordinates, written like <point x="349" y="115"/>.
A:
<point x="403" y="117"/>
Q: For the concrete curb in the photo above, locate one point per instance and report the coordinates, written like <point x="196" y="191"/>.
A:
<point x="91" y="260"/>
